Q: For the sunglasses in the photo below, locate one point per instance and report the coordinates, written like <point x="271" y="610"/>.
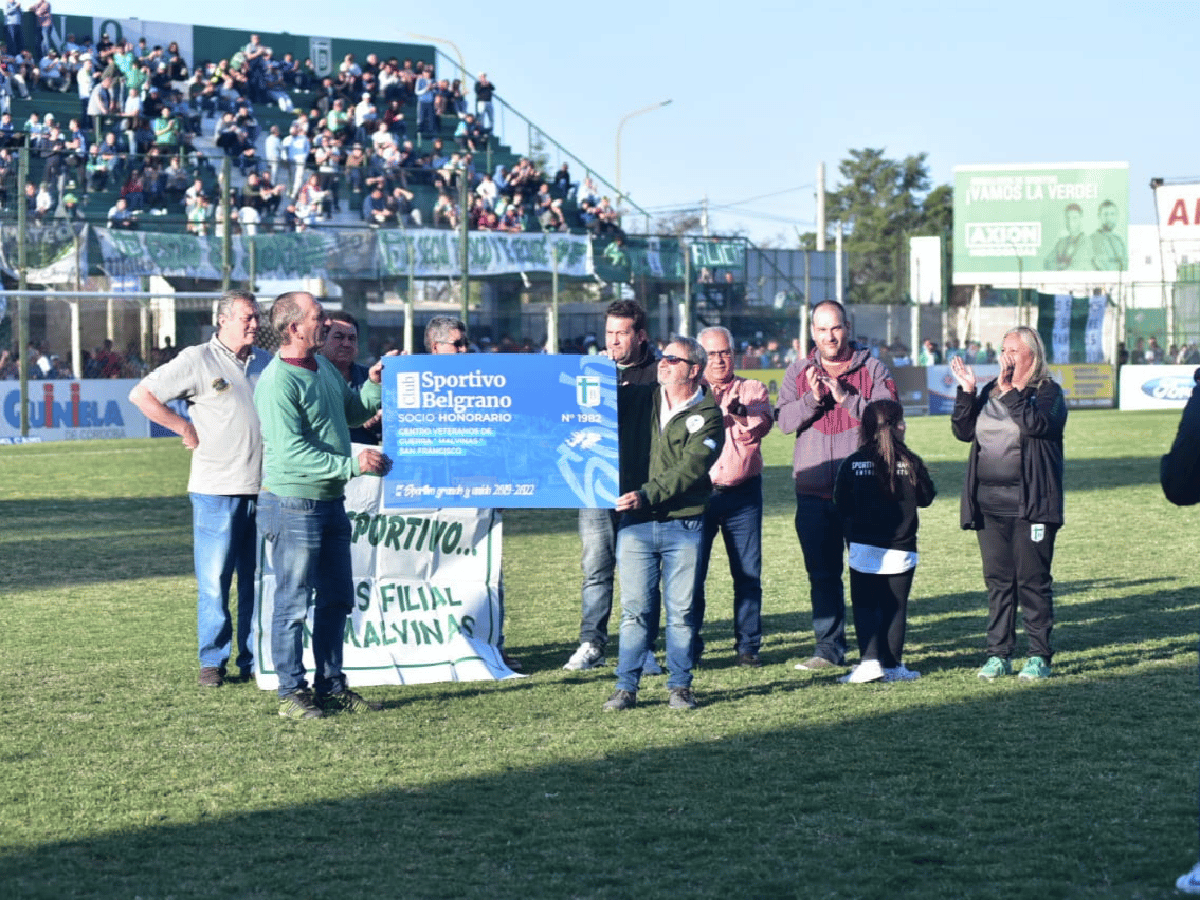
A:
<point x="667" y="358"/>
<point x="460" y="344"/>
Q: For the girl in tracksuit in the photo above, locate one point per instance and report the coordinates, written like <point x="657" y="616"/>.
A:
<point x="877" y="492"/>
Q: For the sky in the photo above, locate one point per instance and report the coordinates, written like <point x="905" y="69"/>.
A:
<point x="763" y="92"/>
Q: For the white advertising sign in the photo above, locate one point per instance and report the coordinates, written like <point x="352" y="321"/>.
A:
<point x="1156" y="387"/>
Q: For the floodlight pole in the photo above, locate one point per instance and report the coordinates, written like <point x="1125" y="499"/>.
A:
<point x="620" y="126"/>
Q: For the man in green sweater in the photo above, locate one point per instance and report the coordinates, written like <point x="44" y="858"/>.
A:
<point x="306" y="410"/>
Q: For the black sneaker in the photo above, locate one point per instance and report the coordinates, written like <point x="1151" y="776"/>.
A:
<point x="211" y="676"/>
<point x="348" y="701"/>
<point x="749" y="660"/>
<point x="681" y="698"/>
<point x="621" y="700"/>
<point x="299" y="705"/>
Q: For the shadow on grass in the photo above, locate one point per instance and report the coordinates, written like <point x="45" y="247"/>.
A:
<point x="946" y="631"/>
<point x="1011" y="790"/>
<point x="103" y="541"/>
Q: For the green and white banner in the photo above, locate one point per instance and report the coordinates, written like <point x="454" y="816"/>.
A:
<point x="1072" y="328"/>
<point x="427" y="596"/>
<point x="1021" y="225"/>
<point x="341" y="254"/>
<point x="434" y="254"/>
<point x="55" y="254"/>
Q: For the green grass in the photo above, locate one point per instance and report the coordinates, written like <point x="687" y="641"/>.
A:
<point x="122" y="778"/>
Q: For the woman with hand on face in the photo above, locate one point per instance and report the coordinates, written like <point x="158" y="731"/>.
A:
<point x="1013" y="494"/>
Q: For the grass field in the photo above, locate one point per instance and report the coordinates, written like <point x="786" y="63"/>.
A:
<point x="123" y="779"/>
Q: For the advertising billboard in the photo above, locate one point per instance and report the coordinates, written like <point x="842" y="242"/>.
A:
<point x="1032" y="223"/>
<point x="1178" y="208"/>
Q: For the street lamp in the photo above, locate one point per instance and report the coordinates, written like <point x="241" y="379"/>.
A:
<point x="462" y="66"/>
<point x="635" y="113"/>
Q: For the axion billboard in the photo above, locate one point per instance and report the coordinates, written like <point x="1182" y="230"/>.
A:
<point x="1033" y="223"/>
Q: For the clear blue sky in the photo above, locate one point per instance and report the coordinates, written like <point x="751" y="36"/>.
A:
<point x="764" y="91"/>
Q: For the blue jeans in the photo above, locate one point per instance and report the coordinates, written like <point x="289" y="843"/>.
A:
<point x="598" y="535"/>
<point x="820" y="531"/>
<point x="224" y="542"/>
<point x="737" y="513"/>
<point x="306" y="545"/>
<point x="648" y="552"/>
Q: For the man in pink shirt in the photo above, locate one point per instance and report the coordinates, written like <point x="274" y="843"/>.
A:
<point x="736" y="505"/>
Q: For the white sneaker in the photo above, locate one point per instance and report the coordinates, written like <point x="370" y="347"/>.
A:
<point x="866" y="671"/>
<point x="1189" y="883"/>
<point x="900" y="673"/>
<point x="650" y="665"/>
<point x="588" y="656"/>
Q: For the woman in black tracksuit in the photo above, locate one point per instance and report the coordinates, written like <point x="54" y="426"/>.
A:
<point x="1013" y="494"/>
<point x="877" y="492"/>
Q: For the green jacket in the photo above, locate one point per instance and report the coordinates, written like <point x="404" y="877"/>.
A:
<point x="306" y="418"/>
<point x="681" y="454"/>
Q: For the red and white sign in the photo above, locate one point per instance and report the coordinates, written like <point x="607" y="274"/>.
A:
<point x="1178" y="211"/>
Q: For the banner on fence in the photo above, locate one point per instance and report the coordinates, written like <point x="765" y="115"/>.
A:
<point x="427" y="596"/>
<point x="1086" y="385"/>
<point x="1156" y="387"/>
<point x="72" y="410"/>
<point x="1082" y="385"/>
<point x="436" y="253"/>
<point x="55" y="254"/>
<point x="342" y="253"/>
<point x="1072" y="328"/>
<point x="509" y="430"/>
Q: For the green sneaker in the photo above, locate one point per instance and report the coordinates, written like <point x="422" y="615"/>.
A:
<point x="299" y="705"/>
<point x="348" y="701"/>
<point x="1035" y="669"/>
<point x="994" y="668"/>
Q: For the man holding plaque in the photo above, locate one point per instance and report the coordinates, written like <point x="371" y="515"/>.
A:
<point x="662" y="520"/>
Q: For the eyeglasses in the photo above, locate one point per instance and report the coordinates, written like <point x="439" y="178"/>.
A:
<point x="460" y="344"/>
<point x="720" y="354"/>
<point x="667" y="358"/>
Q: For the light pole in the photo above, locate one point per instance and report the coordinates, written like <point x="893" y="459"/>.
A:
<point x="621" y="125"/>
<point x="462" y="66"/>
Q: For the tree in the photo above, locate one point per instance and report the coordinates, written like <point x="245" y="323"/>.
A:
<point x="881" y="203"/>
<point x="685" y="221"/>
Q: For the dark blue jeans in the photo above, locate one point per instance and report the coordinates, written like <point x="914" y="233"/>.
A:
<point x="306" y="546"/>
<point x="820" y="531"/>
<point x="737" y="514"/>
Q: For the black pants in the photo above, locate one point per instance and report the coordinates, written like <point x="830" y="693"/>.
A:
<point x="1016" y="568"/>
<point x="880" y="604"/>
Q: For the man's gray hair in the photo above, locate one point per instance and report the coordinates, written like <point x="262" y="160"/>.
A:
<point x="717" y="329"/>
<point x="696" y="355"/>
<point x="230" y="298"/>
<point x="439" y="329"/>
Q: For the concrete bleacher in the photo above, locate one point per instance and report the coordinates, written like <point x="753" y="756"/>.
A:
<point x="95" y="204"/>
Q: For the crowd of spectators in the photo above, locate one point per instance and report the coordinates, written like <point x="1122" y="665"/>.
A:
<point x="103" y="361"/>
<point x="143" y="112"/>
<point x="1151" y="353"/>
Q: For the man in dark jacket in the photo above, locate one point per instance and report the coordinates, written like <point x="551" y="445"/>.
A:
<point x="628" y="346"/>
<point x="662" y="521"/>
